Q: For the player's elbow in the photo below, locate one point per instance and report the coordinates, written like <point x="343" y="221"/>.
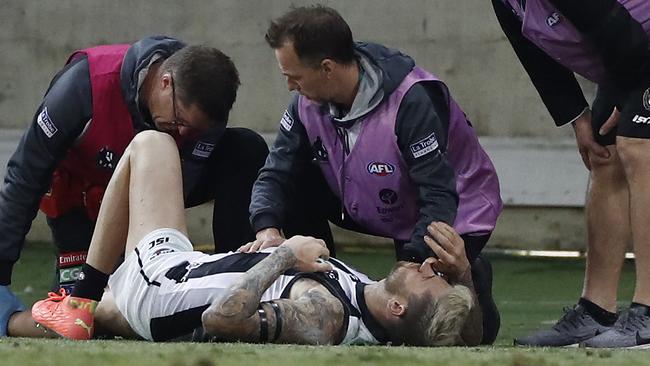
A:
<point x="211" y="321"/>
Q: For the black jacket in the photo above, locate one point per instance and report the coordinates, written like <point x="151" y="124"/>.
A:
<point x="69" y="106"/>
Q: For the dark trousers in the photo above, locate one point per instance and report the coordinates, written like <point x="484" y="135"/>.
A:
<point x="227" y="178"/>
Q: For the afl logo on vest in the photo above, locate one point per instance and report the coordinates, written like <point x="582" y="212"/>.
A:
<point x="380" y="169"/>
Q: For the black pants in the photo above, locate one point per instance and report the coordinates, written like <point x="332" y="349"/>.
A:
<point x="313" y="204"/>
<point x="227" y="178"/>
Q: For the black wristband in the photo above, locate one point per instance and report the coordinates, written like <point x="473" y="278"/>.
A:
<point x="278" y="320"/>
<point x="264" y="325"/>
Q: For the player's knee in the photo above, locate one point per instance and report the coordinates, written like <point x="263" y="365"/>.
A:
<point x="634" y="154"/>
<point x="151" y="141"/>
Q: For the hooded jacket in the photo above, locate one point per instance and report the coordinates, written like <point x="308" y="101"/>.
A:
<point x="68" y="107"/>
<point x="423" y="112"/>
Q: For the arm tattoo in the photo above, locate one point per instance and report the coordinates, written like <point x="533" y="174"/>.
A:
<point x="316" y="317"/>
<point x="234" y="315"/>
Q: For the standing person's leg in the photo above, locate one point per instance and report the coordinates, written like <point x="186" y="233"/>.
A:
<point x="608" y="234"/>
<point x="633" y="146"/>
<point x="144" y="194"/>
<point x="608" y="231"/>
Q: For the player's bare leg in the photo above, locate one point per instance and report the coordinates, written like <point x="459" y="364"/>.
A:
<point x="144" y="194"/>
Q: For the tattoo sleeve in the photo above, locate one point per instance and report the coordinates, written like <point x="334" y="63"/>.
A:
<point x="234" y="315"/>
<point x="316" y="317"/>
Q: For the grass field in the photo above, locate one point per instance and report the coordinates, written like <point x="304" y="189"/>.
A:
<point x="530" y="294"/>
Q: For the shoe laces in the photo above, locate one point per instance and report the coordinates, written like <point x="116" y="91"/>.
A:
<point x="573" y="318"/>
<point x="54" y="296"/>
<point x="632" y="321"/>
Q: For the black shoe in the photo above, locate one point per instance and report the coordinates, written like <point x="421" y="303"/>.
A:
<point x="574" y="327"/>
<point x="482" y="278"/>
<point x="632" y="330"/>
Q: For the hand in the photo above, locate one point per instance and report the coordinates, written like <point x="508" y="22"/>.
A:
<point x="589" y="149"/>
<point x="9" y="304"/>
<point x="449" y="247"/>
<point x="611" y="122"/>
<point x="310" y="253"/>
<point x="266" y="238"/>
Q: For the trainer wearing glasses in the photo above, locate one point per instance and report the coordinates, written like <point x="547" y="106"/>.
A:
<point x="91" y="111"/>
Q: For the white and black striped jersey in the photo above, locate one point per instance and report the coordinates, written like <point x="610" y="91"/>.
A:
<point x="172" y="289"/>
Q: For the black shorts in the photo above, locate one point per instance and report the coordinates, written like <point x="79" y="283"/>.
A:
<point x="634" y="120"/>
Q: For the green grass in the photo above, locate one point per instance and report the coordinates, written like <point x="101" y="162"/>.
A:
<point x="530" y="294"/>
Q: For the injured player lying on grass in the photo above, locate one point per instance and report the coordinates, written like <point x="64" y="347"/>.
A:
<point x="293" y="294"/>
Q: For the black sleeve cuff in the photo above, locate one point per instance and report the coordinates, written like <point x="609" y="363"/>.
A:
<point x="265" y="221"/>
<point x="414" y="253"/>
<point x="5" y="272"/>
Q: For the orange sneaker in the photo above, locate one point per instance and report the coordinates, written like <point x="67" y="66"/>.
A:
<point x="70" y="317"/>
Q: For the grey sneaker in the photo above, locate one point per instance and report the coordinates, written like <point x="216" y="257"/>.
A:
<point x="574" y="327"/>
<point x="632" y="330"/>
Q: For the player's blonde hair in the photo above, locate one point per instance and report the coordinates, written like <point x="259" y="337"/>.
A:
<point x="437" y="322"/>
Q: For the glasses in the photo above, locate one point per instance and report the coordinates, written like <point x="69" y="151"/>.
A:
<point x="177" y="121"/>
<point x="173" y="125"/>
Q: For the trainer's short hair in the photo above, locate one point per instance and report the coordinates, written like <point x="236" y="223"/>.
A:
<point x="436" y="322"/>
<point x="207" y="77"/>
<point x="316" y="32"/>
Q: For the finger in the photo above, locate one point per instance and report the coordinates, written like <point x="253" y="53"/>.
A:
<point x="323" y="253"/>
<point x="322" y="267"/>
<point x="321" y="242"/>
<point x="449" y="231"/>
<point x="438" y="266"/>
<point x="456" y="241"/>
<point x="270" y="243"/>
<point x="427" y="263"/>
<point x="598" y="150"/>
<point x="244" y="248"/>
<point x="255" y="247"/>
<point x="440" y="252"/>
<point x="442" y="237"/>
<point x="609" y="125"/>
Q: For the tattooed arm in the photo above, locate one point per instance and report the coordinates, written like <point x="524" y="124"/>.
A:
<point x="234" y="316"/>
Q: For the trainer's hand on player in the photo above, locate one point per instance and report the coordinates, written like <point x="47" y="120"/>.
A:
<point x="449" y="248"/>
<point x="310" y="253"/>
<point x="266" y="238"/>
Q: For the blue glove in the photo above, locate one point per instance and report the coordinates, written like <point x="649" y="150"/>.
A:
<point x="9" y="304"/>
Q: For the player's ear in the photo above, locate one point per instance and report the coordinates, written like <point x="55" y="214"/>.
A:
<point x="396" y="307"/>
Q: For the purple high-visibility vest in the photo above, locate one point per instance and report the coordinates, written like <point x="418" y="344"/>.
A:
<point x="545" y="27"/>
<point x="373" y="182"/>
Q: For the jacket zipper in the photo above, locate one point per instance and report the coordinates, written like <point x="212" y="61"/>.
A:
<point x="345" y="144"/>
